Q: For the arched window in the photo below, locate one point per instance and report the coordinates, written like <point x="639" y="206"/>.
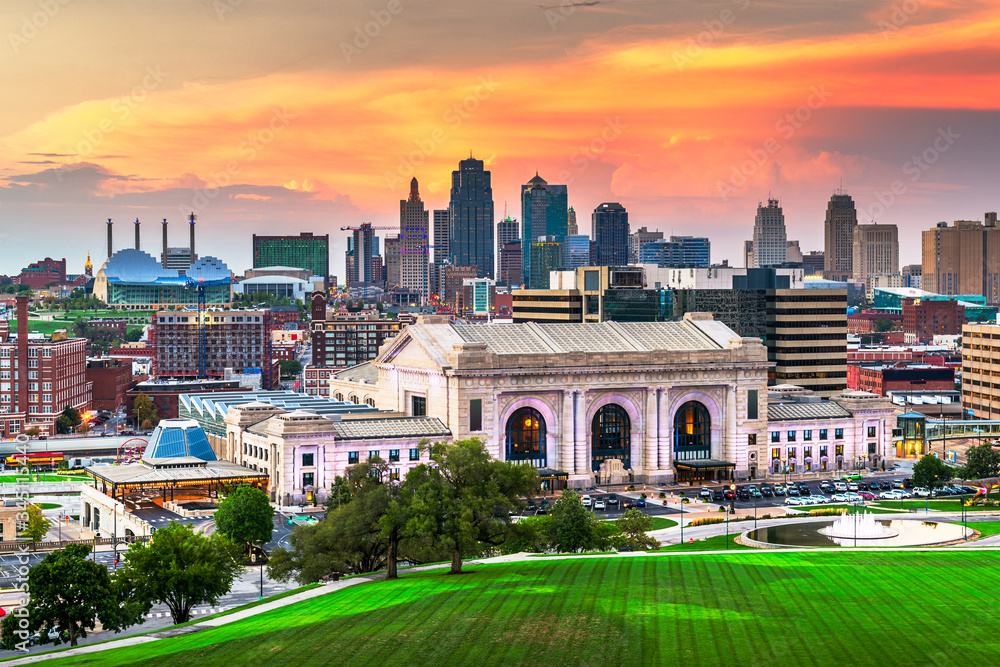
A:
<point x="611" y="436"/>
<point x="692" y="432"/>
<point x="339" y="397"/>
<point x="370" y="401"/>
<point x="526" y="437"/>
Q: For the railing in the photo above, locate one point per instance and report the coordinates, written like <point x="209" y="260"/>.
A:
<point x="7" y="547"/>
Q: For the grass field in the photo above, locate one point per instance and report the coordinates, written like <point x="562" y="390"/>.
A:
<point x="941" y="506"/>
<point x="659" y="523"/>
<point x="45" y="477"/>
<point x="723" y="609"/>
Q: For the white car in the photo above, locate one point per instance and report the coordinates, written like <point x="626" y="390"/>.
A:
<point x="852" y="486"/>
<point x="705" y="493"/>
<point x="895" y="494"/>
<point x="587" y="501"/>
<point x="840" y="487"/>
<point x="793" y="500"/>
<point x="838" y="498"/>
<point x="600" y="505"/>
<point x="921" y="492"/>
<point x="818" y="499"/>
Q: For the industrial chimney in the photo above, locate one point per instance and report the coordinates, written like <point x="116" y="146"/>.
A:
<point x="22" y="354"/>
<point x="137" y="233"/>
<point x="110" y="246"/>
<point x="164" y="243"/>
<point x="193" y="256"/>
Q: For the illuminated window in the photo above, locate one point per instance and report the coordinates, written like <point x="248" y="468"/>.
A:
<point x="526" y="437"/>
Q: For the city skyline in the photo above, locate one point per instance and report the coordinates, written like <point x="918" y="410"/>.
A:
<point x="323" y="123"/>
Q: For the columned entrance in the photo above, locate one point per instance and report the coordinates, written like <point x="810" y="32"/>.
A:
<point x="611" y="436"/>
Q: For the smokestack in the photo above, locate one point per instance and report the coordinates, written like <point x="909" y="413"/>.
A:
<point x="22" y="355"/>
<point x="137" y="233"/>
<point x="193" y="256"/>
<point x="110" y="246"/>
<point x="164" y="243"/>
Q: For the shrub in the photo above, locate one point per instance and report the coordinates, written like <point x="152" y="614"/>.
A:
<point x="642" y="495"/>
<point x="722" y="509"/>
<point x="662" y="494"/>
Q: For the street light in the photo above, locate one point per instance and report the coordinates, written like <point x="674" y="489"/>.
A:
<point x="784" y="468"/>
<point x="732" y="488"/>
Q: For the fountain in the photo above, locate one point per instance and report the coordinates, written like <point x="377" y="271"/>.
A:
<point x="858" y="526"/>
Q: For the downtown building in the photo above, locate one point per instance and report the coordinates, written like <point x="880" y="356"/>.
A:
<point x="544" y="222"/>
<point x="980" y="370"/>
<point x="611" y="235"/>
<point x="876" y="254"/>
<point x="414" y="244"/>
<point x="838" y="235"/>
<point x="678" y="251"/>
<point x="39" y="377"/>
<point x="470" y="210"/>
<point x="963" y="258"/>
<point x="305" y="251"/>
<point x="770" y="242"/>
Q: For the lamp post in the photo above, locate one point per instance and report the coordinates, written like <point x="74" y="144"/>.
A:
<point x="732" y="488"/>
<point x="784" y="468"/>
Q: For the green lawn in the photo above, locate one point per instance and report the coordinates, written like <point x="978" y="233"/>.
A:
<point x="659" y="523"/>
<point x="765" y="608"/>
<point x="717" y="543"/>
<point x="45" y="477"/>
<point x="851" y="509"/>
<point x="938" y="506"/>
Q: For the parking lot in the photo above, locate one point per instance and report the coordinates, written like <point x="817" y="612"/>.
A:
<point x="614" y="504"/>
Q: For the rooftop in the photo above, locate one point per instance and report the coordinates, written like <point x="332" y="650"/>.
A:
<point x="216" y="406"/>
<point x="790" y="411"/>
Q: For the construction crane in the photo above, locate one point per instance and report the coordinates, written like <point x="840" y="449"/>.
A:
<point x="371" y="227"/>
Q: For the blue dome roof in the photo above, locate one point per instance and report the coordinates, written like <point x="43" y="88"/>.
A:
<point x="209" y="268"/>
<point x="176" y="438"/>
<point x="135" y="266"/>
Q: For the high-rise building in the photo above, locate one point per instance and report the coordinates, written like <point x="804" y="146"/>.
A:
<point x="508" y="230"/>
<point x="305" y="251"/>
<point x="963" y="258"/>
<point x="392" y="262"/>
<point x="980" y="367"/>
<point x="453" y="278"/>
<point x="610" y="225"/>
<point x="360" y="250"/>
<point x="235" y="340"/>
<point x="571" y="228"/>
<point x="510" y="264"/>
<point x="838" y="235"/>
<point x="807" y="338"/>
<point x="876" y="252"/>
<point x="813" y="262"/>
<point x="576" y="251"/>
<point x="413" y="246"/>
<point x="546" y="255"/>
<point x="544" y="214"/>
<point x="343" y="338"/>
<point x="793" y="253"/>
<point x="470" y="214"/>
<point x="636" y="240"/>
<point x="770" y="242"/>
<point x="440" y="223"/>
<point x="678" y="251"/>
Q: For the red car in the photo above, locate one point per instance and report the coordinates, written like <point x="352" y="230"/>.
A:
<point x="867" y="495"/>
<point x="730" y="494"/>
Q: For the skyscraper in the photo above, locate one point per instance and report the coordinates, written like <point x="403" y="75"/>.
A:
<point x="838" y="235"/>
<point x="571" y="228"/>
<point x="963" y="258"/>
<point x="610" y="225"/>
<point x="507" y="231"/>
<point x="510" y="264"/>
<point x="637" y="238"/>
<point x="360" y="248"/>
<point x="544" y="213"/>
<point x="876" y="252"/>
<point x="440" y="236"/>
<point x="413" y="242"/>
<point x="576" y="251"/>
<point x="392" y="261"/>
<point x="770" y="242"/>
<point x="306" y="251"/>
<point x="470" y="214"/>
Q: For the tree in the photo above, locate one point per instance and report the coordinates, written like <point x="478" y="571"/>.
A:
<point x="11" y="634"/>
<point x="884" y="325"/>
<point x="245" y="516"/>
<point x="572" y="526"/>
<point x="133" y="334"/>
<point x="144" y="409"/>
<point x="290" y="368"/>
<point x="982" y="461"/>
<point x="72" y="594"/>
<point x="73" y="415"/>
<point x="83" y="428"/>
<point x="36" y="526"/>
<point x="633" y="525"/>
<point x="33" y="432"/>
<point x="179" y="568"/>
<point x="931" y="473"/>
<point x="462" y="502"/>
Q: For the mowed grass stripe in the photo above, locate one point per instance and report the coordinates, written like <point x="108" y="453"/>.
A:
<point x="746" y="608"/>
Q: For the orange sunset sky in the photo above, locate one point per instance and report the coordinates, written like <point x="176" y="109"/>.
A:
<point x="281" y="116"/>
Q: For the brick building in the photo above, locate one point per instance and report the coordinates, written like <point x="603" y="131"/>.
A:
<point x="345" y="338"/>
<point x="38" y="274"/>
<point x="926" y="318"/>
<point x="282" y="315"/>
<point x="165" y="394"/>
<point x="113" y="326"/>
<point x="111" y="379"/>
<point x="239" y="340"/>
<point x="865" y="321"/>
<point x="56" y="377"/>
<point x="900" y="376"/>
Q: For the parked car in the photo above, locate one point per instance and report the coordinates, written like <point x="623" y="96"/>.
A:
<point x="804" y="490"/>
<point x="907" y="483"/>
<point x="628" y="504"/>
<point x="779" y="490"/>
<point x="867" y="495"/>
<point x="852" y="486"/>
<point x="826" y="486"/>
<point x="766" y="490"/>
<point x="921" y="492"/>
<point x="599" y="504"/>
<point x="793" y="501"/>
<point x="640" y="503"/>
<point x="717" y="496"/>
<point x="792" y="491"/>
<point x="587" y="501"/>
<point x="729" y="494"/>
<point x="612" y="499"/>
<point x="753" y="491"/>
<point x="840" y="487"/>
<point x="819" y="499"/>
<point x="839" y="498"/>
<point x="705" y="493"/>
<point x="885" y="486"/>
<point x="743" y="493"/>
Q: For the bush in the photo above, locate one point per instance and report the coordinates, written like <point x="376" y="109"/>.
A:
<point x="685" y="500"/>
<point x="722" y="509"/>
<point x="662" y="494"/>
<point x="631" y="487"/>
<point x="642" y="495"/>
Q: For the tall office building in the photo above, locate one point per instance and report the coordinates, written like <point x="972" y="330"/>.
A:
<point x="610" y="225"/>
<point x="636" y="240"/>
<point x="440" y="222"/>
<point x="413" y="242"/>
<point x="576" y="251"/>
<point x="807" y="338"/>
<point x="838" y="235"/>
<point x="360" y="249"/>
<point x="770" y="242"/>
<point x="678" y="251"/>
<point x="876" y="252"/>
<point x="546" y="255"/>
<point x="305" y="251"/>
<point x="571" y="228"/>
<point x="508" y="231"/>
<point x="470" y="214"/>
<point x="510" y="264"/>
<point x="963" y="258"/>
<point x="392" y="262"/>
<point x="544" y="214"/>
<point x="813" y="262"/>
